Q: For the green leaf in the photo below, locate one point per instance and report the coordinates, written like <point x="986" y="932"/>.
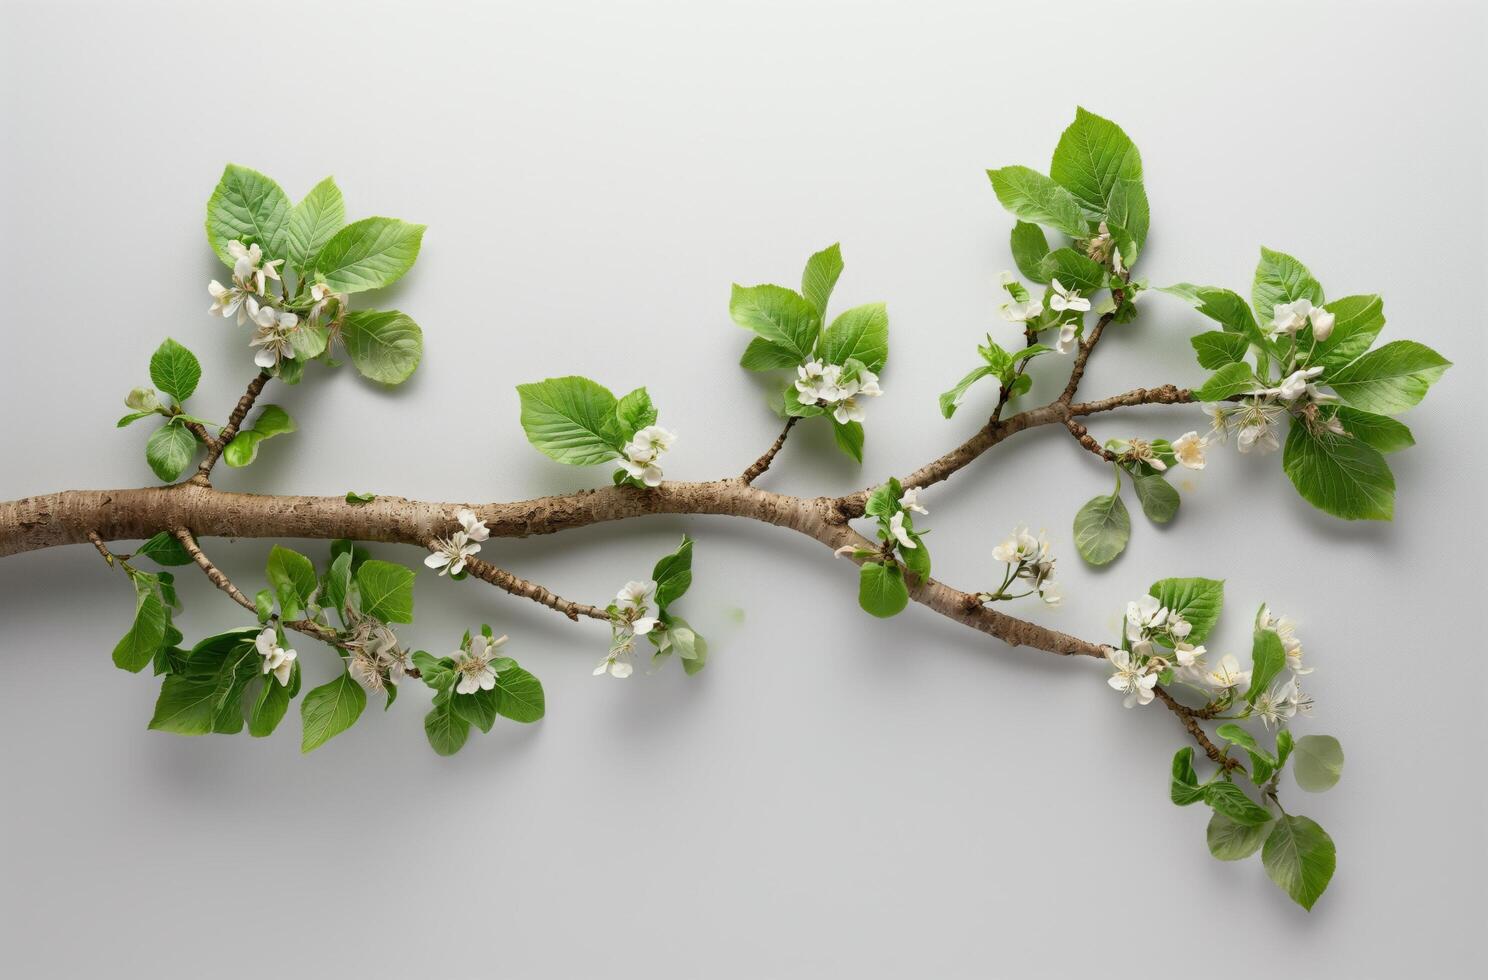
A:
<point x="633" y="413"/>
<point x="146" y="634"/>
<point x="881" y="589"/>
<point x="309" y="341"/>
<point x="386" y="589"/>
<point x="519" y="695"/>
<point x="248" y="207"/>
<point x="1198" y="600"/>
<point x="1279" y="278"/>
<point x="1268" y="657"/>
<point x="673" y="574"/>
<point x="883" y="501"/>
<point x="1223" y="306"/>
<point x="1229" y="799"/>
<point x="1184" y="786"/>
<point x="329" y="710"/>
<point x="1073" y="270"/>
<point x="1159" y="500"/>
<point x="263" y="605"/>
<point x="272" y="703"/>
<point x="571" y="419"/>
<point x="1357" y="320"/>
<point x="446" y="730"/>
<point x="175" y="370"/>
<point x="337" y="586"/>
<point x="1231" y="841"/>
<point x="1102" y="528"/>
<point x="1127" y="209"/>
<point x="1263" y="763"/>
<point x="352" y="497"/>
<point x="1390" y="379"/>
<point x="1216" y="348"/>
<point x="849" y="438"/>
<point x="1029" y="248"/>
<point x="164" y="549"/>
<point x="1380" y="431"/>
<point x="243" y="449"/>
<point x="917" y="559"/>
<point x="1232" y="379"/>
<point x="1319" y="762"/>
<point x="292" y="576"/>
<point x="820" y="277"/>
<point x="1343" y="476"/>
<point x="779" y="315"/>
<point x="1284" y="747"/>
<point x="1092" y="155"/>
<point x="1300" y="857"/>
<point x="950" y="400"/>
<point x="762" y="355"/>
<point x="385" y="345"/>
<point x="170" y="450"/>
<point x="436" y="672"/>
<point x="369" y="254"/>
<point x="861" y="332"/>
<point x="205" y="693"/>
<point x="1033" y="197"/>
<point x="478" y="708"/>
<point x="313" y="222"/>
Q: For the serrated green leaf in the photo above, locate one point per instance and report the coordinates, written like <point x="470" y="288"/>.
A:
<point x="1279" y="278"/>
<point x="292" y="577"/>
<point x="862" y="333"/>
<point x="762" y="355"/>
<point x="313" y="222"/>
<point x="1267" y="658"/>
<point x="1033" y="197"/>
<point x="820" y="277"/>
<point x="272" y="703"/>
<point x="1073" y="270"/>
<point x="1102" y="528"/>
<point x="950" y="400"/>
<point x="1029" y="247"/>
<point x="1229" y="799"/>
<point x="1216" y="348"/>
<point x="248" y="207"/>
<point x="369" y="254"/>
<point x="1092" y="155"/>
<point x="386" y="590"/>
<point x="1232" y="379"/>
<point x="446" y="731"/>
<point x="146" y="635"/>
<point x="633" y="412"/>
<point x="175" y="370"/>
<point x="1183" y="787"/>
<point x="849" y="438"/>
<point x="170" y="450"/>
<point x="519" y="695"/>
<point x="673" y="574"/>
<point x="1357" y="320"/>
<point x="1127" y="209"/>
<point x="1389" y="379"/>
<point x="385" y="345"/>
<point x="571" y="419"/>
<point x="1346" y="477"/>
<point x="164" y="549"/>
<point x="781" y="316"/>
<point x="329" y="710"/>
<point x="1197" y="600"/>
<point x="1380" y="431"/>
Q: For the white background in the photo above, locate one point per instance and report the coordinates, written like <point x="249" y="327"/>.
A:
<point x="835" y="795"/>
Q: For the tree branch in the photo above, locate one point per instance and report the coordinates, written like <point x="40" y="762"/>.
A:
<point x="517" y="586"/>
<point x="230" y="430"/>
<point x="763" y="463"/>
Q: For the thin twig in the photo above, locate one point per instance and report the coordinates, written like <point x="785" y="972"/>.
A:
<point x="518" y="586"/>
<point x="1189" y="718"/>
<point x="1084" y="438"/>
<point x="763" y="463"/>
<point x="234" y="421"/>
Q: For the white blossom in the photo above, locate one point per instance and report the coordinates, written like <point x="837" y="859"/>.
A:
<point x="1296" y="384"/>
<point x="228" y="301"/>
<point x="1141" y="451"/>
<point x="1145" y="616"/>
<point x="1286" y="631"/>
<point x="1256" y="423"/>
<point x="1189" y="449"/>
<point x="246" y="267"/>
<point x="276" y="659"/>
<point x="1188" y="655"/>
<point x="1289" y="317"/>
<point x="322" y="299"/>
<point x="1322" y="323"/>
<point x="1227" y="674"/>
<point x="1132" y="678"/>
<point x="273" y="336"/>
<point x="1067" y="299"/>
<point x="1067" y="341"/>
<point x="1017" y="548"/>
<point x="376" y="658"/>
<point x="643" y="451"/>
<point x="1219" y="419"/>
<point x="1022" y="312"/>
<point x="475" y="529"/>
<point x="1050" y="592"/>
<point x="635" y="595"/>
<point x="617" y="663"/>
<point x="896" y="528"/>
<point x="474" y="665"/>
<point x="451" y="553"/>
<point x="911" y="501"/>
<point x="823" y="384"/>
<point x="1281" y="703"/>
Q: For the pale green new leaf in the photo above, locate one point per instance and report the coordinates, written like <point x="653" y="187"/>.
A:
<point x="634" y="412"/>
<point x="1127" y="209"/>
<point x="1347" y="477"/>
<point x="385" y="345"/>
<point x="1232" y="379"/>
<point x="1102" y="528"/>
<point x="248" y="207"/>
<point x="1092" y="155"/>
<point x="1299" y="856"/>
<point x="170" y="450"/>
<point x="1267" y="658"/>
<point x="1033" y="197"/>
<point x="779" y="315"/>
<point x="293" y="579"/>
<point x="820" y="278"/>
<point x="1231" y="841"/>
<point x="1319" y="762"/>
<point x="313" y="222"/>
<point x="881" y="589"/>
<point x="951" y="399"/>
<point x="175" y="370"/>
<point x="849" y="438"/>
<point x="272" y="421"/>
<point x="571" y="419"/>
<point x="329" y="710"/>
<point x="369" y="254"/>
<point x="1390" y="379"/>
<point x="147" y="631"/>
<point x="861" y="332"/>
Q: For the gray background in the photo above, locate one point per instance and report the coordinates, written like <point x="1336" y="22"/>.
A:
<point x="835" y="795"/>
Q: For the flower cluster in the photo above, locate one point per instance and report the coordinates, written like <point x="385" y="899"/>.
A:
<point x="1103" y="248"/>
<point x="643" y="452"/>
<point x="273" y="329"/>
<point x="630" y="617"/>
<point x="836" y="389"/>
<point x="375" y="659"/>
<point x="1027" y="558"/>
<point x="1151" y="626"/>
<point x="474" y="663"/>
<point x="1290" y="318"/>
<point x="1284" y="700"/>
<point x="277" y="660"/>
<point x="450" y="554"/>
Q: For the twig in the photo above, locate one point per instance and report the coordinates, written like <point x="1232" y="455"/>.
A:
<point x="1189" y="718"/>
<point x="103" y="549"/>
<point x="1084" y="438"/>
<point x="517" y="586"/>
<point x="230" y="430"/>
<point x="763" y="463"/>
<point x="1082" y="357"/>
